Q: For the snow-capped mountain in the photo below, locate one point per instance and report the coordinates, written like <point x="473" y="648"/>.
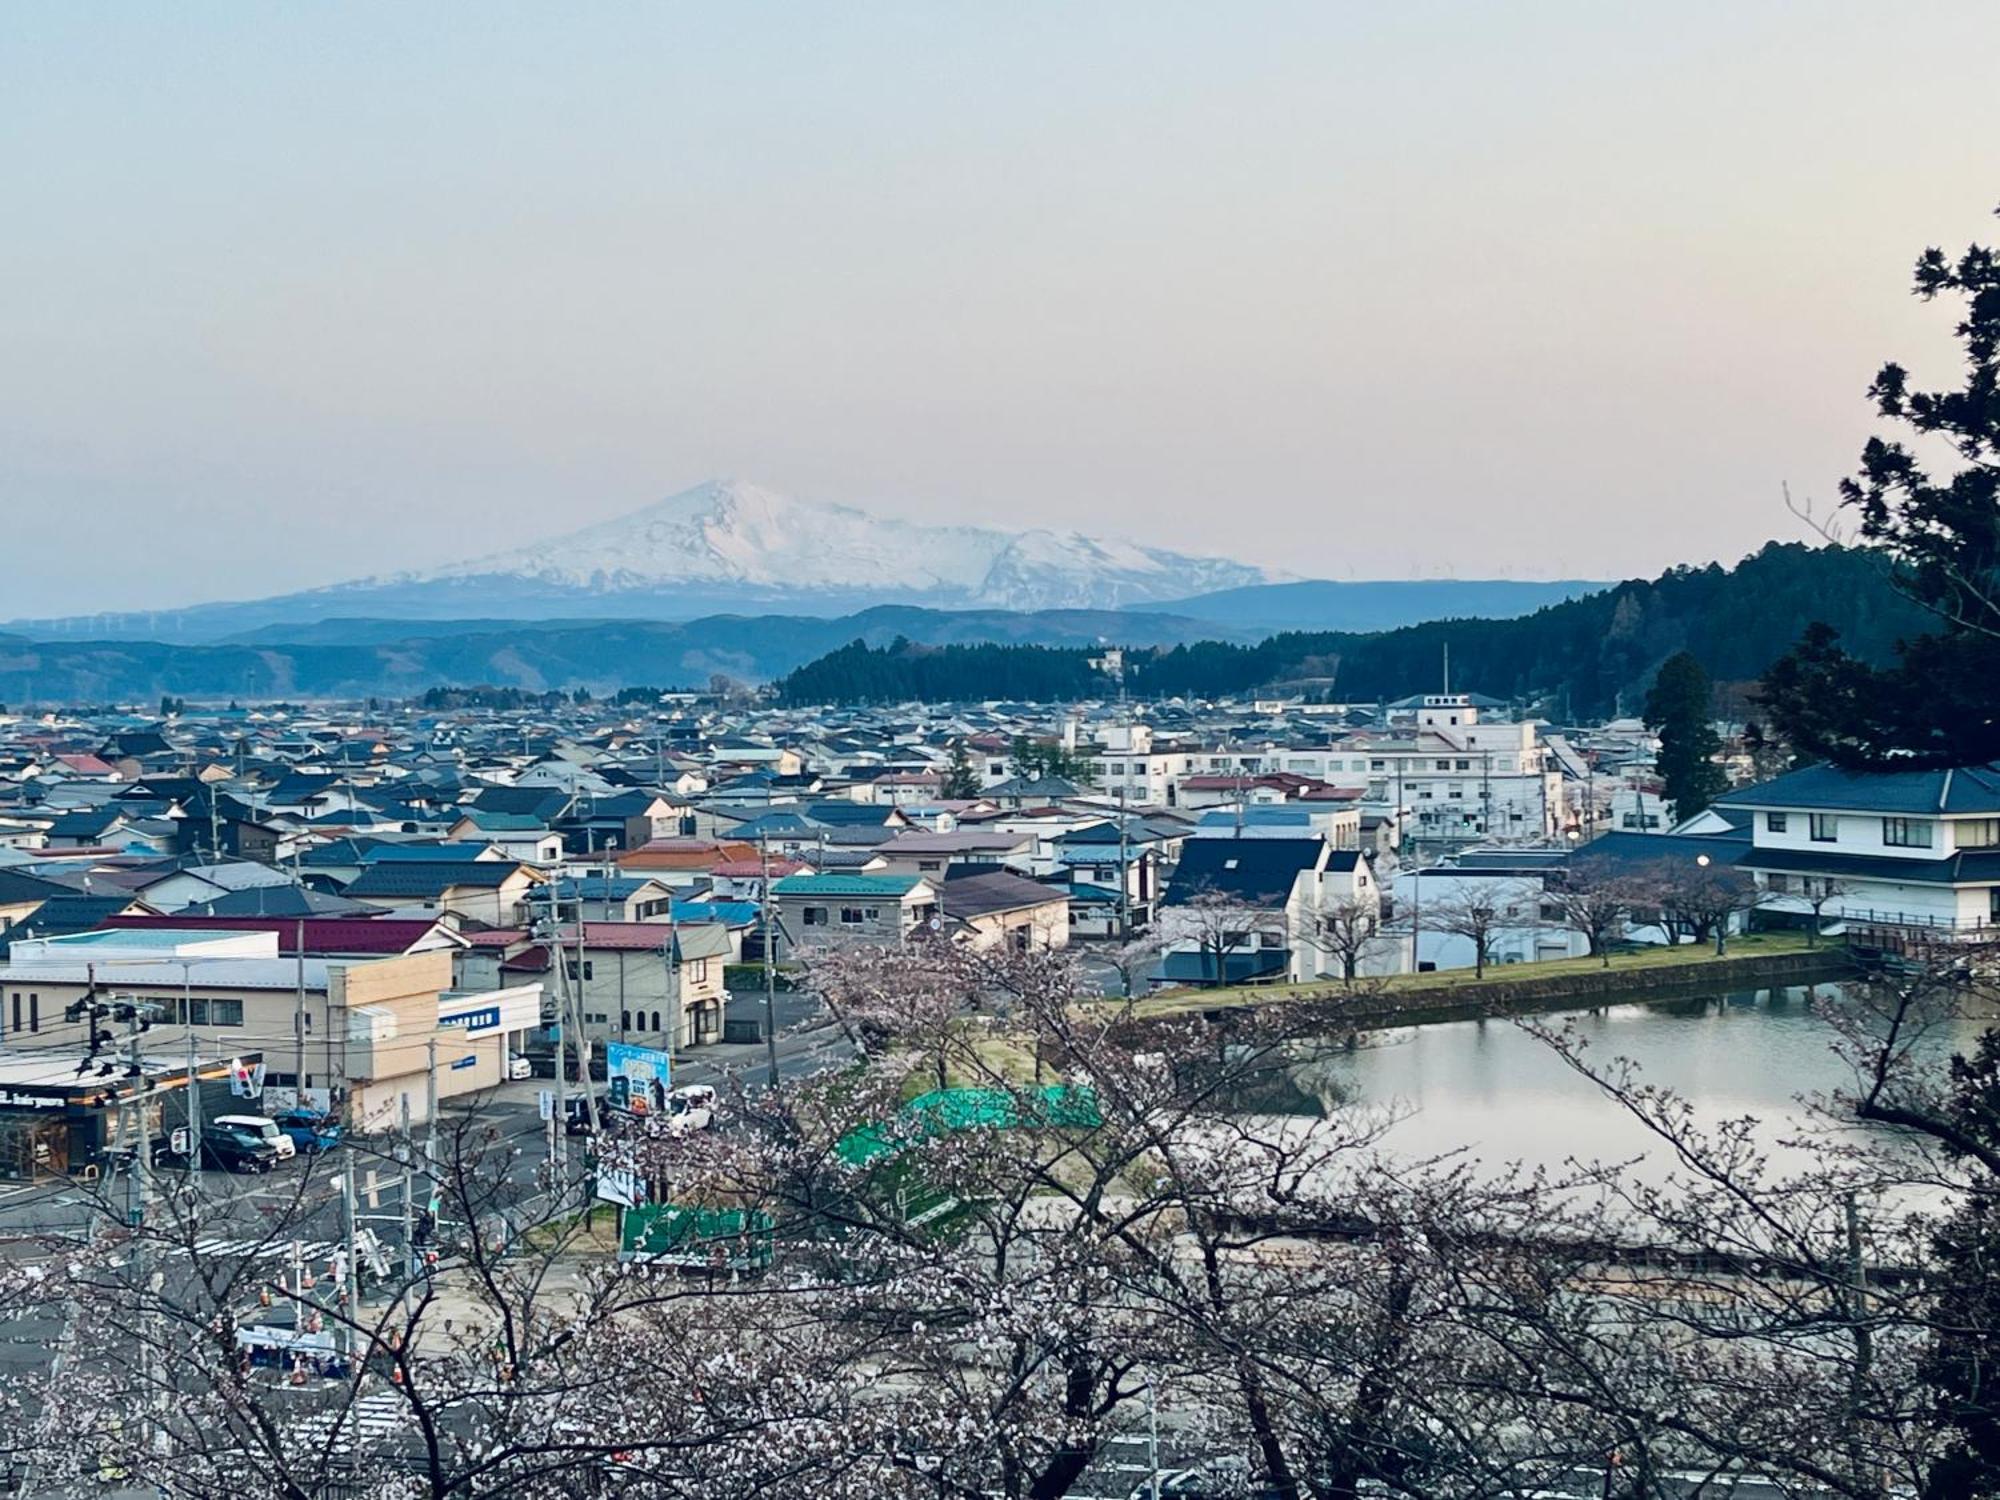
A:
<point x="730" y="536"/>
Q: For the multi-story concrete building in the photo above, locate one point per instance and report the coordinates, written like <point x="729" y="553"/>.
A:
<point x="356" y="1035"/>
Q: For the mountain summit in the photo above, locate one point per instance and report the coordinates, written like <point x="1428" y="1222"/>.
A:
<point x="727" y="535"/>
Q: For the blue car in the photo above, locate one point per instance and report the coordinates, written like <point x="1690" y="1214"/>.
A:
<point x="310" y="1132"/>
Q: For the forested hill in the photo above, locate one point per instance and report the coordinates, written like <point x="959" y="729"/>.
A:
<point x="1586" y="657"/>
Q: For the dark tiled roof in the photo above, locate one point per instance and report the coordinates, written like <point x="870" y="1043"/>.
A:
<point x="1966" y="789"/>
<point x="16" y="888"/>
<point x="1637" y="850"/>
<point x="422" y="878"/>
<point x="533" y="801"/>
<point x="277" y="901"/>
<point x="851" y="814"/>
<point x="1257" y="872"/>
<point x="1966" y="868"/>
<point x="983" y="895"/>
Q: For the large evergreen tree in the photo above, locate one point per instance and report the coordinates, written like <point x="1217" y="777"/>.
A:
<point x="961" y="781"/>
<point x="1935" y="703"/>
<point x="1680" y="710"/>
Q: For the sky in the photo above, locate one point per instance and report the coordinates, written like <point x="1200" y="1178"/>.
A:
<point x="297" y="294"/>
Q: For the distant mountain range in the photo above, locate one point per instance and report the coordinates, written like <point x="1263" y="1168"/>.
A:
<point x="727" y="547"/>
<point x="397" y="658"/>
<point x="725" y="577"/>
<point x="1597" y="651"/>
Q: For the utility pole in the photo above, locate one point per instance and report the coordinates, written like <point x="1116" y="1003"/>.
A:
<point x="135" y="1108"/>
<point x="1486" y="793"/>
<point x="431" y="1121"/>
<point x="1124" y="874"/>
<point x="1152" y="1442"/>
<point x="194" y="1110"/>
<point x="409" y="1190"/>
<point x="1416" y="914"/>
<point x="352" y="1237"/>
<point x="299" y="1023"/>
<point x="582" y="1030"/>
<point x="1864" y="1341"/>
<point x="140" y="1140"/>
<point x="558" y="1149"/>
<point x="770" y="964"/>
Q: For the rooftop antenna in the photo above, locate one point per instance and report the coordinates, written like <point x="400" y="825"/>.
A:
<point x="1447" y="668"/>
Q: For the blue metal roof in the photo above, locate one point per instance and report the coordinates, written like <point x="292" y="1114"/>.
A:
<point x="891" y="887"/>
<point x="1963" y="790"/>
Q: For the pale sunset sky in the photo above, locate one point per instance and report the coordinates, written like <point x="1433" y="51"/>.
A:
<point x="295" y="294"/>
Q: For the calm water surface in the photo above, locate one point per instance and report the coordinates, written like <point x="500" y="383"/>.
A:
<point x="1495" y="1091"/>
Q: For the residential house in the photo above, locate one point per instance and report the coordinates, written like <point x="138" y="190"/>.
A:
<point x="493" y="893"/>
<point x="936" y="854"/>
<point x="1245" y="909"/>
<point x="1003" y="910"/>
<point x="1899" y="857"/>
<point x="648" y="983"/>
<point x="815" y="911"/>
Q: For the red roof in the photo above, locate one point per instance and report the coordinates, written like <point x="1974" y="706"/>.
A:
<point x="495" y="937"/>
<point x="684" y="854"/>
<point x="753" y="869"/>
<point x="323" y="935"/>
<point x="89" y="765"/>
<point x="637" y="937"/>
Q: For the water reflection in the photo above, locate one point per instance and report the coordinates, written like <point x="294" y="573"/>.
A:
<point x="1498" y="1092"/>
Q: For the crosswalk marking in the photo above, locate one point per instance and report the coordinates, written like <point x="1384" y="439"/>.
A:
<point x="379" y="1415"/>
<point x="263" y="1249"/>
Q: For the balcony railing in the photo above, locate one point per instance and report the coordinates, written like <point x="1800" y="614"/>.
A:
<point x="1902" y="932"/>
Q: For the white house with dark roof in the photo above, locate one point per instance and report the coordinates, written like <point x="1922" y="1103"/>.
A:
<point x="1900" y="850"/>
<point x="1249" y="907"/>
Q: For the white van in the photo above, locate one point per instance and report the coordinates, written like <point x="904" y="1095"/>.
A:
<point x="264" y="1128"/>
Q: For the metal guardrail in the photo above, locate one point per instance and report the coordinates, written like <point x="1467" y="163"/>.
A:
<point x="1980" y="927"/>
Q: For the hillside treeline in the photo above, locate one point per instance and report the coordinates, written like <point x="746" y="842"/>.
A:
<point x="902" y="672"/>
<point x="1586" y="658"/>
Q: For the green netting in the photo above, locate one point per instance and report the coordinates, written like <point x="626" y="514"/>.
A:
<point x="969" y="1109"/>
<point x="684" y="1234"/>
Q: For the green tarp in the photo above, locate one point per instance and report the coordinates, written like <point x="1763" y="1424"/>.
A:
<point x="675" y="1234"/>
<point x="970" y="1109"/>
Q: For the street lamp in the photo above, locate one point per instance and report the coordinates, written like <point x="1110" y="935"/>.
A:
<point x="1721" y="918"/>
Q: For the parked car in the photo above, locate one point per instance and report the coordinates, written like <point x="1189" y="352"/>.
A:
<point x="690" y="1108"/>
<point x="264" y="1128"/>
<point x="308" y="1131"/>
<point x="234" y="1149"/>
<point x="519" y="1066"/>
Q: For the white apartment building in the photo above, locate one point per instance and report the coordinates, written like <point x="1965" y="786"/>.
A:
<point x="1462" y="778"/>
<point x="1129" y="764"/>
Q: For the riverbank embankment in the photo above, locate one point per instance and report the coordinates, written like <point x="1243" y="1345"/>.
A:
<point x="1760" y="961"/>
